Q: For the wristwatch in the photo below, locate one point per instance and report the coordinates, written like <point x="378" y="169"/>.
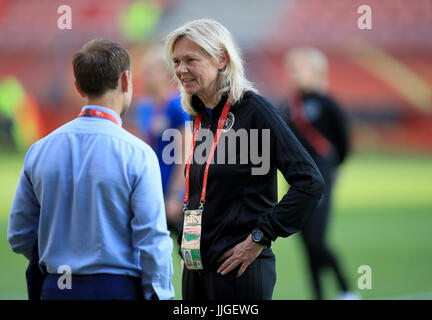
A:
<point x="259" y="237"/>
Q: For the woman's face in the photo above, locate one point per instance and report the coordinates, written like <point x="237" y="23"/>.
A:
<point x="302" y="74"/>
<point x="305" y="76"/>
<point x="156" y="77"/>
<point x="196" y="71"/>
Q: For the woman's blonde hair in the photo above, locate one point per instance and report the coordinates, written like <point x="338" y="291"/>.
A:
<point x="214" y="39"/>
<point x="316" y="60"/>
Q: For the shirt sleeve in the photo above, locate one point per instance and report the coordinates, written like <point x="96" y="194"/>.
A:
<point x="300" y="171"/>
<point x="24" y="217"/>
<point x="149" y="229"/>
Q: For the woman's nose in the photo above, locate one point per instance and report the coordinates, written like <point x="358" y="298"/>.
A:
<point x="183" y="68"/>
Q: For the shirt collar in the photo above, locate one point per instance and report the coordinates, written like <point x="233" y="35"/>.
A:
<point x="104" y="109"/>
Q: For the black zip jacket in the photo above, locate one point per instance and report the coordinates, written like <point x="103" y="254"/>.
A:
<point x="329" y="119"/>
<point x="238" y="201"/>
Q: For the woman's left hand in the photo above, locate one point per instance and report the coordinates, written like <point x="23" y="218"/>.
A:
<point x="243" y="253"/>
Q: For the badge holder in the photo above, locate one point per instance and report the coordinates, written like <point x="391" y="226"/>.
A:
<point x="191" y="238"/>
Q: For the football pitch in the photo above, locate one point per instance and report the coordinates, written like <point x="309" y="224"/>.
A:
<point x="382" y="218"/>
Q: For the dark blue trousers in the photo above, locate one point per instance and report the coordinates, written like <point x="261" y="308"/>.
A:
<point x="34" y="276"/>
<point x="93" y="287"/>
<point x="89" y="287"/>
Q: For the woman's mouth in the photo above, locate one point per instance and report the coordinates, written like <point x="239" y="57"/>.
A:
<point x="187" y="81"/>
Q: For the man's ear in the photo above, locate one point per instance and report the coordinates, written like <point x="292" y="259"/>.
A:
<point x="79" y="90"/>
<point x="125" y="80"/>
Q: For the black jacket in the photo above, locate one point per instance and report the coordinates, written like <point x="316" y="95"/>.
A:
<point x="236" y="200"/>
<point x="329" y="119"/>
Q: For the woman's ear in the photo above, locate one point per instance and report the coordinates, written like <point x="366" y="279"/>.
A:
<point x="223" y="60"/>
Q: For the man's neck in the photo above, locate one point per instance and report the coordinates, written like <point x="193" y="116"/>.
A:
<point x="108" y="101"/>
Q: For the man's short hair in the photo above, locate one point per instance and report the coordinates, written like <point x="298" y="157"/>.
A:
<point x="99" y="65"/>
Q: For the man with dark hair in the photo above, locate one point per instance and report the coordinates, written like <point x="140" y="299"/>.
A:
<point x="98" y="66"/>
<point x="90" y="195"/>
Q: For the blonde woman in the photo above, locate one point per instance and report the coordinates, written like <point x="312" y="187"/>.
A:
<point x="321" y="125"/>
<point x="231" y="209"/>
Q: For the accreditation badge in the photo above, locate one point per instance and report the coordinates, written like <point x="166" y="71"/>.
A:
<point x="191" y="239"/>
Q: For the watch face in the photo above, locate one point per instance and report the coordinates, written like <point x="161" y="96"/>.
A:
<point x="257" y="235"/>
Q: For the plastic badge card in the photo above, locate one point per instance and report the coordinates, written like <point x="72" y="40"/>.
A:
<point x="191" y="239"/>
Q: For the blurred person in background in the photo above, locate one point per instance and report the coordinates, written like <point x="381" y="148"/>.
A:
<point x="90" y="196"/>
<point x="158" y="111"/>
<point x="231" y="212"/>
<point x="20" y="119"/>
<point x="322" y="127"/>
<point x="7" y="140"/>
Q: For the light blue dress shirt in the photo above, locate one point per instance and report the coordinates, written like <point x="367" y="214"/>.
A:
<point x="92" y="194"/>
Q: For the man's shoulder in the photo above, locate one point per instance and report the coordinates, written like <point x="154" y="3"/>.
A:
<point x="116" y="133"/>
<point x="52" y="135"/>
<point x="133" y="140"/>
<point x="36" y="147"/>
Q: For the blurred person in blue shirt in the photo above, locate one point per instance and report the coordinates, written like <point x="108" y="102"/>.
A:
<point x="158" y="111"/>
<point x="90" y="195"/>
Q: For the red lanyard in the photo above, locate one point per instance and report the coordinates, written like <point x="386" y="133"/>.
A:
<point x="220" y="126"/>
<point x="317" y="140"/>
<point x="98" y="113"/>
